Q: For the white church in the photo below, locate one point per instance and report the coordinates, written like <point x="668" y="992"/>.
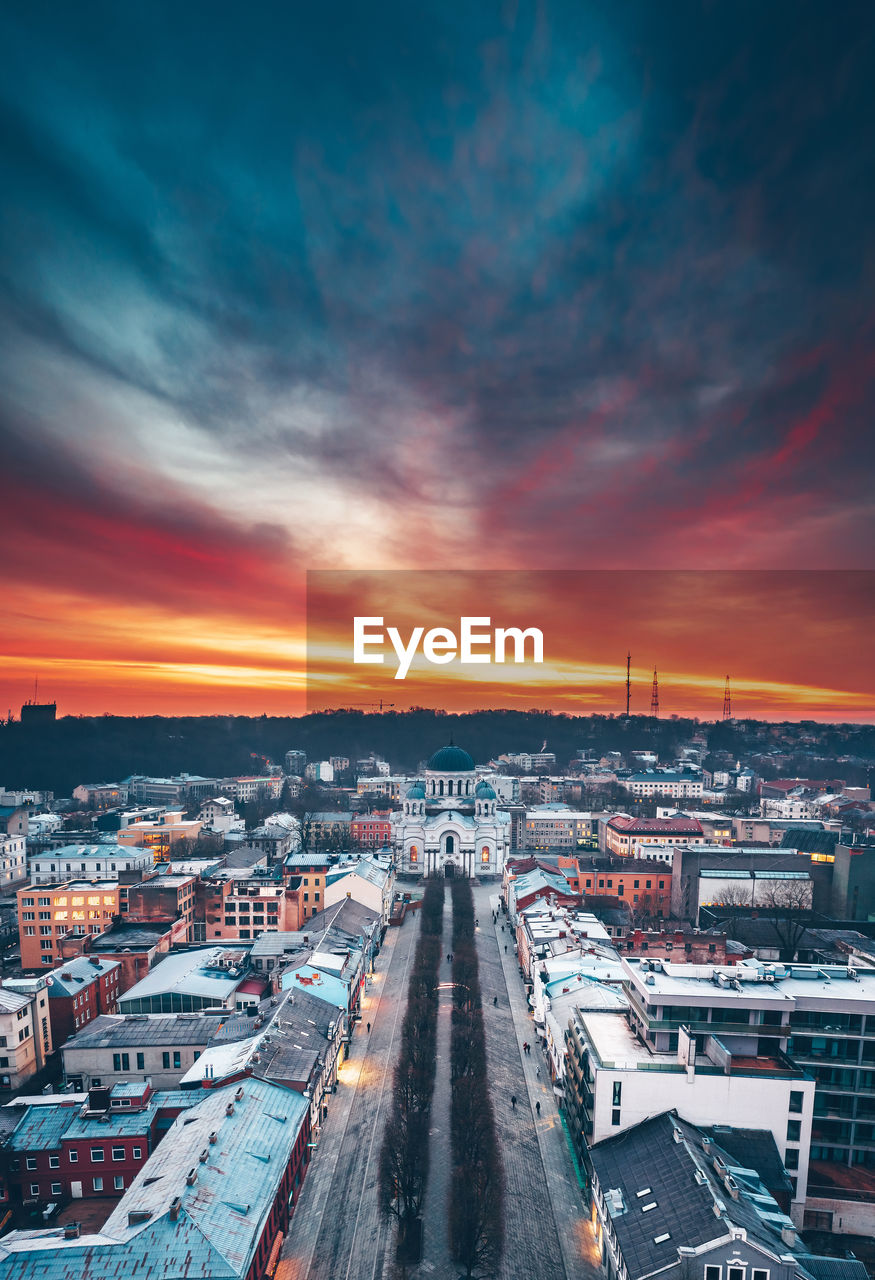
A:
<point x="450" y="824"/>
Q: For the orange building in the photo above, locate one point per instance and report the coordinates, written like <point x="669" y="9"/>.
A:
<point x="160" y="836"/>
<point x="644" y="883"/>
<point x="46" y="913"/>
<point x="245" y="906"/>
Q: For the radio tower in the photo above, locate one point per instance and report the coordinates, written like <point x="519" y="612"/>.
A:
<point x="727" y="702"/>
<point x="654" y="697"/>
<point x="628" y="681"/>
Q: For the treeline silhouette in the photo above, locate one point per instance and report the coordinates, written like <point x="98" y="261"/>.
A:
<point x="74" y="749"/>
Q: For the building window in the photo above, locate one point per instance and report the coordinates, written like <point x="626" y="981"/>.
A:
<point x="713" y="1273"/>
<point x="735" y="1273"/>
<point x="796" y="1099"/>
<point x="96" y="1155"/>
<point x="56" y="1188"/>
<point x="137" y="1153"/>
<point x="177" y="1058"/>
<point x="794" y="1130"/>
<point x="54" y="1162"/>
<point x="121" y="1062"/>
<point x="73" y="1157"/>
<point x="34" y="1189"/>
<point x="758" y="1274"/>
<point x="118" y="1153"/>
<point x="30" y="1162"/>
<point x="97" y="1184"/>
<point x="141" y="1062"/>
<point x="791" y="1160"/>
<point x="615" y="1116"/>
<point x="165" y="1061"/>
<point x="618" y="1092"/>
<point x="118" y="1182"/>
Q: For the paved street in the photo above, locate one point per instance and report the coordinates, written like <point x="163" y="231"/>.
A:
<point x="548" y="1231"/>
<point x="337" y="1231"/>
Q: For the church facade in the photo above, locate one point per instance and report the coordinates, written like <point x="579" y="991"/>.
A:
<point x="450" y="823"/>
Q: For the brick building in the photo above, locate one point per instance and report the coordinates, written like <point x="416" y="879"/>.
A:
<point x="80" y="990"/>
<point x="49" y="913"/>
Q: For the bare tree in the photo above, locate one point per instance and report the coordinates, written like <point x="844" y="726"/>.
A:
<point x="786" y="904"/>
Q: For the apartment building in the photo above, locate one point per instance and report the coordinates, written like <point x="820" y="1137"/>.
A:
<point x="25" y="1033"/>
<point x="161" y="835"/>
<point x="663" y="782"/>
<point x="13" y="860"/>
<point x="88" y="862"/>
<point x="650" y="837"/>
<point x="48" y="913"/>
<point x="822" y="1018"/>
<point x="558" y="827"/>
<point x="666" y="1056"/>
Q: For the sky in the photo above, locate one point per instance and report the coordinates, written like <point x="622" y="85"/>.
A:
<point x="435" y="286"/>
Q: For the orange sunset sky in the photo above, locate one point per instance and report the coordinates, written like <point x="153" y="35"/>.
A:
<point x="794" y="644"/>
<point x="465" y="288"/>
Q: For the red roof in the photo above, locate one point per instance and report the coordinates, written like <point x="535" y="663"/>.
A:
<point x="656" y="826"/>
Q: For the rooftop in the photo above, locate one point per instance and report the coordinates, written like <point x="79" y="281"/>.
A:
<point x="71" y="977"/>
<point x="195" y="973"/>
<point x="144" y="1030"/>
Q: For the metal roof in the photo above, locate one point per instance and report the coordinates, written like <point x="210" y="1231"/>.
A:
<point x="71" y="977"/>
<point x="220" y="1217"/>
<point x="194" y="973"/>
<point x="41" y="1128"/>
<point x="142" y="1031"/>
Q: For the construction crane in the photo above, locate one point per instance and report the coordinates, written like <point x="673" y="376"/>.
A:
<point x="380" y="705"/>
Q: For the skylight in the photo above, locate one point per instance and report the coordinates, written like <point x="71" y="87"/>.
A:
<point x="666" y="1235"/>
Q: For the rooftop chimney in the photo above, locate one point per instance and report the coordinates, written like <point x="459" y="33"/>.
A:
<point x="175" y="1207"/>
<point x="71" y="1231"/>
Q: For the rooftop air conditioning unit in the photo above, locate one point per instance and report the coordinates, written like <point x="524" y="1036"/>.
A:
<point x="768" y="977"/>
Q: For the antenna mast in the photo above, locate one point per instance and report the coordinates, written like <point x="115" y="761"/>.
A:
<point x="654" y="697"/>
<point x="727" y="702"/>
<point x="628" y="681"/>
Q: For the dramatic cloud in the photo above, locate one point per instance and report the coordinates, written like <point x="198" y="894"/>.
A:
<point x="420" y="286"/>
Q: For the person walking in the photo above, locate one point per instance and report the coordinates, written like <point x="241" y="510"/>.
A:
<point x="369" y="1028"/>
<point x="538" y="1108"/>
<point x="513" y="1101"/>
<point x="538" y="1073"/>
<point x="505" y="948"/>
<point x="495" y="1000"/>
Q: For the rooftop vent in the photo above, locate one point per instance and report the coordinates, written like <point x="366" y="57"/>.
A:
<point x="71" y="1231"/>
<point x="239" y="1094"/>
<point x="136" y="1216"/>
<point x="229" y="1110"/>
<point x="175" y="1208"/>
<point x="204" y="1155"/>
<point x="214" y="1137"/>
<point x="191" y="1177"/>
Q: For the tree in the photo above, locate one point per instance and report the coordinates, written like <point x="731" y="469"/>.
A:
<point x="477" y="1216"/>
<point x="735" y="895"/>
<point x="786" y="904"/>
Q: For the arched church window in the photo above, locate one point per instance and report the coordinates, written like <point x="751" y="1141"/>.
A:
<point x="414" y="853"/>
<point x="441" y="787"/>
<point x="484" y="853"/>
<point x="450" y="787"/>
<point x="451" y="844"/>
